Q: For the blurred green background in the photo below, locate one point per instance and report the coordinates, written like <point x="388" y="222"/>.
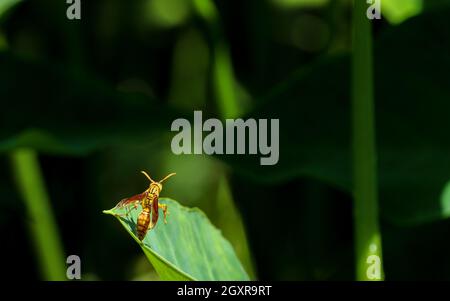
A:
<point x="87" y="104"/>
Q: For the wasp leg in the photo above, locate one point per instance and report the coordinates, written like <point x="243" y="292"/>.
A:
<point x="164" y="209"/>
<point x="128" y="209"/>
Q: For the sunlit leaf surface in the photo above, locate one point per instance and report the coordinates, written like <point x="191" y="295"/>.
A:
<point x="188" y="247"/>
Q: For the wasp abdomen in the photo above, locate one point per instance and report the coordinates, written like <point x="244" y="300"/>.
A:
<point x="142" y="223"/>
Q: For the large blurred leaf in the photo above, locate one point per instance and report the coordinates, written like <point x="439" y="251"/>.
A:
<point x="412" y="122"/>
<point x="56" y="109"/>
<point x="412" y="94"/>
<point x="188" y="247"/>
<point x="312" y="107"/>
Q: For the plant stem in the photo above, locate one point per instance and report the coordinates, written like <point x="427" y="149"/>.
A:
<point x="222" y="68"/>
<point x="367" y="234"/>
<point x="42" y="224"/>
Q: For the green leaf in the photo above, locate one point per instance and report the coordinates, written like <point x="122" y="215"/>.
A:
<point x="188" y="247"/>
<point x="64" y="111"/>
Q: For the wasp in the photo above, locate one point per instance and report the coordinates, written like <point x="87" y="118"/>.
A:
<point x="149" y="201"/>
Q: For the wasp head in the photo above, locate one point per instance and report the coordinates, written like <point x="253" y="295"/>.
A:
<point x="156" y="187"/>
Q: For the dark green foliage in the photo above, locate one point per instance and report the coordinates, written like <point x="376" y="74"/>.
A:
<point x="94" y="98"/>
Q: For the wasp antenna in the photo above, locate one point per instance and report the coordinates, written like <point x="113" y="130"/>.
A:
<point x="148" y="177"/>
<point x="166" y="177"/>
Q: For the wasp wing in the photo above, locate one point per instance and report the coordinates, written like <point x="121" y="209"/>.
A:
<point x="155" y="214"/>
<point x="130" y="200"/>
